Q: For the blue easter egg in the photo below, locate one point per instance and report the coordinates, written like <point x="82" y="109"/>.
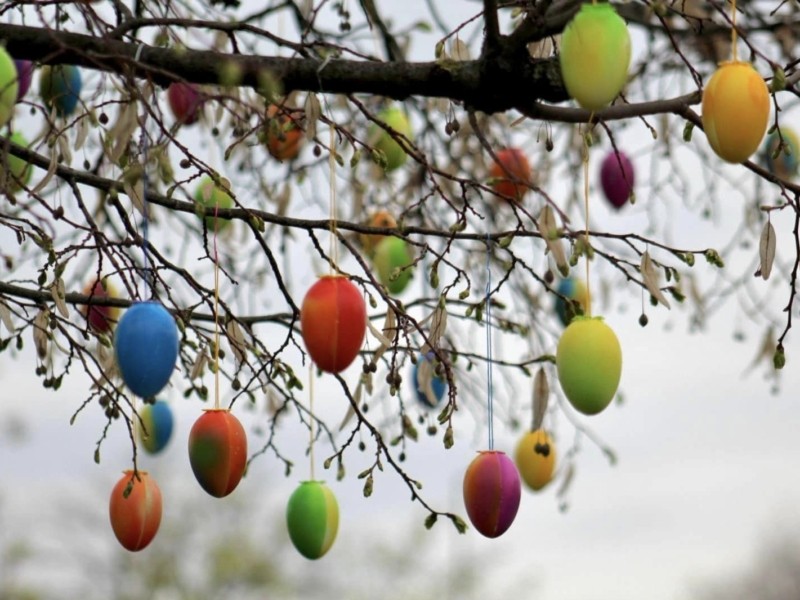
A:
<point x="146" y="347"/>
<point x="438" y="384"/>
<point x="784" y="165"/>
<point x="157" y="424"/>
<point x="60" y="88"/>
<point x="574" y="289"/>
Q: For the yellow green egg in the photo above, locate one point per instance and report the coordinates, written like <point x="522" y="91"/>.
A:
<point x="210" y="195"/>
<point x="595" y="55"/>
<point x="15" y="172"/>
<point x="396" y="118"/>
<point x="589" y="363"/>
<point x="312" y="518"/>
<point x="394" y="263"/>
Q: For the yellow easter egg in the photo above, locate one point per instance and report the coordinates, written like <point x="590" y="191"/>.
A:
<point x="536" y="459"/>
<point x="735" y="111"/>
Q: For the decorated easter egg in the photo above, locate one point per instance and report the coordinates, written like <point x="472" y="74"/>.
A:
<point x="735" y="110"/>
<point x="209" y="195"/>
<point x="510" y="174"/>
<point x="18" y="171"/>
<point x="312" y="518"/>
<point x="24" y="77"/>
<point x="60" y="88"/>
<point x="535" y="457"/>
<point x="595" y="55"/>
<point x="8" y="86"/>
<point x="333" y="320"/>
<point x="396" y="118"/>
<point x="101" y="318"/>
<point x="146" y="347"/>
<point x="617" y="178"/>
<point x="429" y="387"/>
<point x="283" y="133"/>
<point x="156" y="428"/>
<point x="135" y="516"/>
<point x="218" y="451"/>
<point x="574" y="289"/>
<point x="779" y="162"/>
<point x="491" y="492"/>
<point x="382" y="218"/>
<point x="185" y="101"/>
<point x="394" y="263"/>
<point x="589" y="363"/>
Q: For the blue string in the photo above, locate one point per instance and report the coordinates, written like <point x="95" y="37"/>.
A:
<point x="146" y="221"/>
<point x="489" y="385"/>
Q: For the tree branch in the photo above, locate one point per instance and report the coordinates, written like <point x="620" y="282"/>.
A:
<point x="512" y="84"/>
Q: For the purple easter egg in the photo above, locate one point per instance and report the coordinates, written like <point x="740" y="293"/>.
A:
<point x="492" y="492"/>
<point x="24" y="77"/>
<point x="617" y="178"/>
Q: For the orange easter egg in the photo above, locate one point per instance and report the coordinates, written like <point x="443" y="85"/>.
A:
<point x="735" y="111"/>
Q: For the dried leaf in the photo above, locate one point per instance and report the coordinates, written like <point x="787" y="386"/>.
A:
<point x="119" y="136"/>
<point x="236" y="341"/>
<point x="566" y="481"/>
<point x="57" y="291"/>
<point x="541" y="394"/>
<point x="136" y="193"/>
<point x="424" y="381"/>
<point x="199" y="365"/>
<point x="351" y="412"/>
<point x="650" y="278"/>
<point x="51" y="170"/>
<point x="313" y="112"/>
<point x="384" y="341"/>
<point x="41" y="333"/>
<point x="766" y="250"/>
<point x="5" y="316"/>
<point x="438" y="328"/>
<point x="83" y="132"/>
<point x="548" y="229"/>
<point x="459" y="50"/>
<point x="64" y="149"/>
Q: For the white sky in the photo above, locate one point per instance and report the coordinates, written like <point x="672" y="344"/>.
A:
<point x="706" y="454"/>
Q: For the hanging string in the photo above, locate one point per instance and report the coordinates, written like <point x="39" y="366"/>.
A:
<point x="733" y="31"/>
<point x="143" y="147"/>
<point x="588" y="307"/>
<point x="216" y="308"/>
<point x="311" y="417"/>
<point x="489" y="384"/>
<point x="332" y="166"/>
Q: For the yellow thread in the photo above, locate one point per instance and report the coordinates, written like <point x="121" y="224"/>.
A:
<point x="332" y="165"/>
<point x="216" y="314"/>
<point x="586" y="210"/>
<point x="311" y="416"/>
<point x="733" y="30"/>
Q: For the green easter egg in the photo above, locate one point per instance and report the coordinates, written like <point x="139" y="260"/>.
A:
<point x="392" y="260"/>
<point x="14" y="171"/>
<point x="396" y="119"/>
<point x="595" y="55"/>
<point x="8" y="86"/>
<point x="312" y="518"/>
<point x="589" y="362"/>
<point x="210" y="195"/>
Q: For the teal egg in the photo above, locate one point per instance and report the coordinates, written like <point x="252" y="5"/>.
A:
<point x="158" y="422"/>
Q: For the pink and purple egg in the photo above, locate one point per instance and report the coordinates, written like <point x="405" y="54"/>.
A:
<point x="617" y="178"/>
<point x="492" y="492"/>
<point x="24" y="77"/>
